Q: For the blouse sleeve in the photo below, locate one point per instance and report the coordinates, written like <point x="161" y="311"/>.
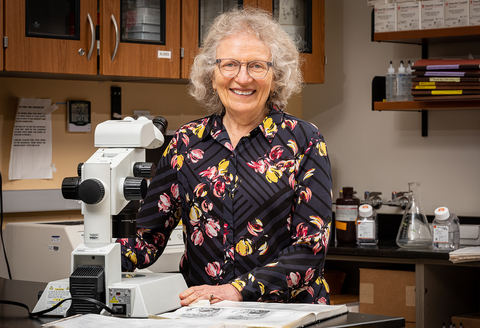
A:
<point x="299" y="266"/>
<point x="159" y="215"/>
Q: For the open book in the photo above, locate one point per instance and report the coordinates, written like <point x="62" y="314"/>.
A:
<point x="258" y="314"/>
<point x="224" y="314"/>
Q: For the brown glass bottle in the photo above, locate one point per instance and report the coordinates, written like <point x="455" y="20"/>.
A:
<point x="345" y="216"/>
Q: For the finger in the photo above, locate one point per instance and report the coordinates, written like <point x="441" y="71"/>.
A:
<point x="187" y="293"/>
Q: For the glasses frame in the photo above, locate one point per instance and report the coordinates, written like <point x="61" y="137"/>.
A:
<point x="219" y="60"/>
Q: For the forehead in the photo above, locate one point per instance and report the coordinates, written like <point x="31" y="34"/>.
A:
<point x="243" y="47"/>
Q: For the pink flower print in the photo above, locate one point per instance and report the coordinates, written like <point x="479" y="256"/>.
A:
<point x="309" y="275"/>
<point x="292" y="181"/>
<point x="290" y="123"/>
<point x="212" y="227"/>
<point x="276" y="152"/>
<point x="169" y="223"/>
<point x="197" y="237"/>
<point x="255" y="228"/>
<point x="214" y="270"/>
<point x="225" y="232"/>
<point x="293" y="279"/>
<point x="164" y="203"/>
<point x="302" y="231"/>
<point x="207" y="206"/>
<point x="219" y="188"/>
<point x="229" y="146"/>
<point x="322" y="300"/>
<point x="185" y="139"/>
<point x="230" y="252"/>
<point x="174" y="191"/>
<point x="211" y="173"/>
<point x="306" y="194"/>
<point x="159" y="239"/>
<point x="195" y="155"/>
<point x="260" y="166"/>
<point x="200" y="190"/>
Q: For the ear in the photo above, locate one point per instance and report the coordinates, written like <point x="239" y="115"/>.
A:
<point x="214" y="83"/>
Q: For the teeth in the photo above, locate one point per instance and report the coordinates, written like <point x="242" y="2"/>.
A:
<point x="246" y="93"/>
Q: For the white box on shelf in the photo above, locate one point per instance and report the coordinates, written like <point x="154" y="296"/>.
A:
<point x="408" y="16"/>
<point x="385" y="17"/>
<point x="456" y="13"/>
<point x="474" y="12"/>
<point x="372" y="3"/>
<point x="433" y="14"/>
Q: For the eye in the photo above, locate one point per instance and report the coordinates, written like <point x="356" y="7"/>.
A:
<point x="230" y="64"/>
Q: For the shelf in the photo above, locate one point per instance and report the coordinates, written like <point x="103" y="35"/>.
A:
<point x="425" y="105"/>
<point x="439" y="35"/>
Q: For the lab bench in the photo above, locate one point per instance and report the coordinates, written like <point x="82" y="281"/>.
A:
<point x="442" y="289"/>
<point x="26" y="292"/>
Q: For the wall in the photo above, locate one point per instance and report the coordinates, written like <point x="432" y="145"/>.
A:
<point x="383" y="151"/>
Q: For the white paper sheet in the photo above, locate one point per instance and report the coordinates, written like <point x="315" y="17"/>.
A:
<point x="31" y="151"/>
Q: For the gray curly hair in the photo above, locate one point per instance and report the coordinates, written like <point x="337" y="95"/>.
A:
<point x="285" y="57"/>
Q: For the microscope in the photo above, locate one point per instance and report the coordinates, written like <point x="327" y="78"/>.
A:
<point x="110" y="185"/>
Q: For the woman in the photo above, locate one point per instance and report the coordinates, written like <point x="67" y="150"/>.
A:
<point x="251" y="183"/>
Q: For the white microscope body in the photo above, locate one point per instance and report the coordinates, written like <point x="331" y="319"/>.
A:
<point x="112" y="178"/>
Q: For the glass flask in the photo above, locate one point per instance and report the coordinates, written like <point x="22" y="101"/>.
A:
<point x="414" y="231"/>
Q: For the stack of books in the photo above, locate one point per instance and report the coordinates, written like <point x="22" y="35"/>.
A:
<point x="446" y="79"/>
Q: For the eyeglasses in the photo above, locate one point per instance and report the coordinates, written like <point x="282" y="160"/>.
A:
<point x="257" y="69"/>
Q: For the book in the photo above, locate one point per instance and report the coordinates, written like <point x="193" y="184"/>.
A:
<point x="225" y="314"/>
<point x="427" y="83"/>
<point x="447" y="98"/>
<point x="445" y="92"/>
<point x="442" y="64"/>
<point x="449" y="73"/>
<point x="447" y="86"/>
<point x="259" y="314"/>
<point x="444" y="79"/>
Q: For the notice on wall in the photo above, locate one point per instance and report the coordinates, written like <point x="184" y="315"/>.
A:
<point x="31" y="151"/>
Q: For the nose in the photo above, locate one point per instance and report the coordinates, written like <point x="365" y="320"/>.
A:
<point x="243" y="76"/>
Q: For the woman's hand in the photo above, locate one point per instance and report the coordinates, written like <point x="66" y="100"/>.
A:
<point x="214" y="294"/>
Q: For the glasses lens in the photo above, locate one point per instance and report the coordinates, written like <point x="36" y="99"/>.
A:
<point x="229" y="67"/>
<point x="257" y="69"/>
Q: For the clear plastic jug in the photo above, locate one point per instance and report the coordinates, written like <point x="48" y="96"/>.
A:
<point x="414" y="231"/>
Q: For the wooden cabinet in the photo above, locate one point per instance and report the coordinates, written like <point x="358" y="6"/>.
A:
<point x="53" y="54"/>
<point x="119" y="58"/>
<point x="1" y="33"/>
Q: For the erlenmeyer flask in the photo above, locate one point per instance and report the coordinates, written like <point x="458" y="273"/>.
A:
<point x="414" y="231"/>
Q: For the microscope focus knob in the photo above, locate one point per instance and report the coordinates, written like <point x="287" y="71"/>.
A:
<point x="91" y="191"/>
<point x="134" y="188"/>
<point x="144" y="170"/>
<point x="70" y="188"/>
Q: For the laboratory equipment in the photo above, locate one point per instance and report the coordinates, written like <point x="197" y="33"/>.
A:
<point x="414" y="231"/>
<point x="373" y="198"/>
<point x="367" y="226"/>
<point x="446" y="230"/>
<point x="110" y="184"/>
<point x="345" y="216"/>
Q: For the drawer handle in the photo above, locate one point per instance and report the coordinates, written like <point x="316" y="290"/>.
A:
<point x="92" y="43"/>
<point x="117" y="37"/>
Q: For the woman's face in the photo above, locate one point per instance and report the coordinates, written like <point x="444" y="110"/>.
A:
<point x="242" y="94"/>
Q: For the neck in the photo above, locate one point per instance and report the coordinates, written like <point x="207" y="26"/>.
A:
<point x="238" y="126"/>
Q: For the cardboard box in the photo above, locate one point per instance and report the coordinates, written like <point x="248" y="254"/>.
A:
<point x="456" y="13"/>
<point x="408" y="16"/>
<point x="388" y="292"/>
<point x="474" y="12"/>
<point x="433" y="14"/>
<point x="385" y="17"/>
<point x="471" y="320"/>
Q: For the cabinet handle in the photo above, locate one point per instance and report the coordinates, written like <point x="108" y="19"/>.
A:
<point x="117" y="37"/>
<point x="92" y="30"/>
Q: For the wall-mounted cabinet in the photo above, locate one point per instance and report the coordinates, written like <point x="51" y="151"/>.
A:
<point x="1" y="32"/>
<point x="140" y="39"/>
<point x="58" y="37"/>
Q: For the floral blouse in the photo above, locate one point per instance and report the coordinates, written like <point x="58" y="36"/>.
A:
<point x="257" y="216"/>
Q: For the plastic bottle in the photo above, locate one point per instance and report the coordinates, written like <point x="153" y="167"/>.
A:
<point x="402" y="83"/>
<point x="390" y="84"/>
<point x="345" y="216"/>
<point x="408" y="71"/>
<point x="367" y="226"/>
<point x="446" y="230"/>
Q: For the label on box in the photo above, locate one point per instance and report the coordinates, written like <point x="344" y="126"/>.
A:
<point x="474" y="12"/>
<point x="365" y="230"/>
<point x="440" y="234"/>
<point x="432" y="14"/>
<point x="346" y="213"/>
<point x="456" y="13"/>
<point x="385" y="17"/>
<point x="408" y="16"/>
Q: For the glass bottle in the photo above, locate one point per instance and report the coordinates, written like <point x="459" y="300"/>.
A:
<point x="414" y="231"/>
<point x="446" y="230"/>
<point x="345" y="216"/>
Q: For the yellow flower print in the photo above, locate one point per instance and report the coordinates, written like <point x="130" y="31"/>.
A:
<point x="263" y="249"/>
<point x="293" y="144"/>
<point x="132" y="257"/>
<point x="244" y="247"/>
<point x="322" y="148"/>
<point x="262" y="288"/>
<point x="199" y="130"/>
<point x="238" y="284"/>
<point x="195" y="214"/>
<point x="327" y="287"/>
<point x="308" y="174"/>
<point x="222" y="167"/>
<point x="269" y="126"/>
<point x="317" y="221"/>
<point x="273" y="174"/>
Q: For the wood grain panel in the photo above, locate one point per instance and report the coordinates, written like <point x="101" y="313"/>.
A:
<point x="46" y="55"/>
<point x="137" y="59"/>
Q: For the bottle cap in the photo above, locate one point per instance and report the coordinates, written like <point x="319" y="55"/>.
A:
<point x="391" y="70"/>
<point x="442" y="213"/>
<point x="401" y="68"/>
<point x="348" y="191"/>
<point x="365" y="210"/>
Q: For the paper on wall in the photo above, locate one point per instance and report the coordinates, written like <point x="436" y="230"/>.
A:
<point x="31" y="151"/>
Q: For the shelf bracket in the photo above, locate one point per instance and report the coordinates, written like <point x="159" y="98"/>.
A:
<point x="424" y="123"/>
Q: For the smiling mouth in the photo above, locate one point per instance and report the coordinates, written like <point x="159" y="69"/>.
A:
<point x="243" y="93"/>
